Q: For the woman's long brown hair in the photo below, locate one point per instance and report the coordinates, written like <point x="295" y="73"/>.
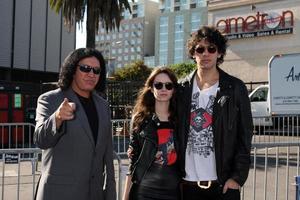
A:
<point x="145" y="103"/>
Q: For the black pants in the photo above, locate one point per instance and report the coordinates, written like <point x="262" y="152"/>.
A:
<point x="193" y="192"/>
<point x="138" y="192"/>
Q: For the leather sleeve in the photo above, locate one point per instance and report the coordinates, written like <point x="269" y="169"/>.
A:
<point x="134" y="150"/>
<point x="244" y="135"/>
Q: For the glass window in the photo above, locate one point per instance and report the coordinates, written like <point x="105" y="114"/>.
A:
<point x="195" y="21"/>
<point x="163" y="21"/>
<point x="179" y="19"/>
<point x="260" y="95"/>
<point x="141" y="10"/>
<point x="201" y="3"/>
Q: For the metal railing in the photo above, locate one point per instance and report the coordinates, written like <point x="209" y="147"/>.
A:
<point x="19" y="177"/>
<point x="16" y="135"/>
<point x="18" y="173"/>
<point x="120" y="132"/>
<point x="275" y="160"/>
<point x="273" y="170"/>
<point x="285" y="128"/>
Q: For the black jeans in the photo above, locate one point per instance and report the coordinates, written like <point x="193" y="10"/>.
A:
<point x="193" y="192"/>
<point x="138" y="192"/>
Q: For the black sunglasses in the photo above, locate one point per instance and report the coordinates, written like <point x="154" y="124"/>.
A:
<point x="87" y="69"/>
<point x="210" y="49"/>
<point x="159" y="85"/>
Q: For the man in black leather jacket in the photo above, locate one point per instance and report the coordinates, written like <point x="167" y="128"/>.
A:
<point x="215" y="127"/>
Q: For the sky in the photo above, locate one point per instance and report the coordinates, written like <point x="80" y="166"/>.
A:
<point x="81" y="34"/>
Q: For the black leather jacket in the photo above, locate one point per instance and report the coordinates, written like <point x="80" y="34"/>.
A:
<point x="232" y="126"/>
<point x="144" y="145"/>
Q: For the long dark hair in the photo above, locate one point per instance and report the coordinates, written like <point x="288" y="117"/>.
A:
<point x="145" y="104"/>
<point x="69" y="65"/>
<point x="211" y="35"/>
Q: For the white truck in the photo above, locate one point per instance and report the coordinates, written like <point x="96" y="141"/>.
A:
<point x="282" y="96"/>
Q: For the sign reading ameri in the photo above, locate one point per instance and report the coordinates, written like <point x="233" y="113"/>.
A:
<point x="261" y="24"/>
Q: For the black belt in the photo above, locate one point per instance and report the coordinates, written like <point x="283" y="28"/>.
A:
<point x="200" y="184"/>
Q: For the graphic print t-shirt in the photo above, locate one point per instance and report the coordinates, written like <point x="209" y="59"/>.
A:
<point x="163" y="173"/>
<point x="166" y="154"/>
<point x="200" y="154"/>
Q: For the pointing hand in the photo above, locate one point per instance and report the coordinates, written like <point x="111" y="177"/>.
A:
<point x="64" y="112"/>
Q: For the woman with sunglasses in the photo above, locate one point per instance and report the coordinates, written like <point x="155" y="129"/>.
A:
<point x="153" y="171"/>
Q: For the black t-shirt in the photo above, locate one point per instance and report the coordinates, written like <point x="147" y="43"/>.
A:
<point x="91" y="113"/>
<point x="163" y="173"/>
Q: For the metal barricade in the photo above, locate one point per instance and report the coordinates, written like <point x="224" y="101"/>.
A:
<point x="118" y="175"/>
<point x="17" y="173"/>
<point x="16" y="135"/>
<point x="275" y="160"/>
<point x="19" y="177"/>
<point x="120" y="132"/>
<point x="284" y="128"/>
<point x="274" y="166"/>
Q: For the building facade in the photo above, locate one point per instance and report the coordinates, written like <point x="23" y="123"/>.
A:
<point x="33" y="41"/>
<point x="134" y="40"/>
<point x="178" y="19"/>
<point x="257" y="30"/>
<point x="33" y="44"/>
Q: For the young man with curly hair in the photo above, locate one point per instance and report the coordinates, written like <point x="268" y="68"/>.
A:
<point x="216" y="127"/>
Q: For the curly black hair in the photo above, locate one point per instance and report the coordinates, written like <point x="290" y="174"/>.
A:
<point x="69" y="65"/>
<point x="211" y="35"/>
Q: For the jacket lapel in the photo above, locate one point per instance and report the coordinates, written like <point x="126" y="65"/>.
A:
<point x="102" y="119"/>
<point x="222" y="95"/>
<point x="80" y="114"/>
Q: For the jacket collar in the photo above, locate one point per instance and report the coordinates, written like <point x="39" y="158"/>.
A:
<point x="224" y="79"/>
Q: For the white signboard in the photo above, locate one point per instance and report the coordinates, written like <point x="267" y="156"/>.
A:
<point x="284" y="80"/>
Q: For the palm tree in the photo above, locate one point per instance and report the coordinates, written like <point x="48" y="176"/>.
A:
<point x="106" y="12"/>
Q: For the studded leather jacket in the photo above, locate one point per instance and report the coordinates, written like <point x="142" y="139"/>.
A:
<point x="144" y="145"/>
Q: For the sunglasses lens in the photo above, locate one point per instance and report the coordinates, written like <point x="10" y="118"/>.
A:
<point x="158" y="86"/>
<point x="169" y="86"/>
<point x="97" y="70"/>
<point x="211" y="49"/>
<point x="200" y="50"/>
<point x="87" y="69"/>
